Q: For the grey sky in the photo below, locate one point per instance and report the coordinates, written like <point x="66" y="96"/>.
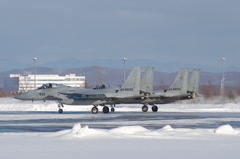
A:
<point x="199" y="31"/>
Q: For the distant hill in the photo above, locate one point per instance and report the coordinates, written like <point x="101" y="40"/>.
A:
<point x="96" y="74"/>
<point x="10" y="64"/>
<point x="118" y="63"/>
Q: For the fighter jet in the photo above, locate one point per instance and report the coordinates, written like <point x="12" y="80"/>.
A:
<point x="129" y="90"/>
<point x="176" y="89"/>
<point x="100" y="95"/>
<point x="182" y="88"/>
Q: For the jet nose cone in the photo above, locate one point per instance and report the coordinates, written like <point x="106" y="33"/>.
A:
<point x="21" y="96"/>
<point x="18" y="96"/>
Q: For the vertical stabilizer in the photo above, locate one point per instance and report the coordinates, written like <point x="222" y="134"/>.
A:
<point x="146" y="84"/>
<point x="132" y="83"/>
<point x="193" y="82"/>
<point x="179" y="84"/>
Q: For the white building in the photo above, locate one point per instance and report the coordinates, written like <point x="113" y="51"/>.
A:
<point x="18" y="83"/>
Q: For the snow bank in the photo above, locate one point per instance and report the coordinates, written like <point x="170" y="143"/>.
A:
<point x="76" y="128"/>
<point x="167" y="132"/>
<point x="79" y="131"/>
<point x="167" y="127"/>
<point x="82" y="131"/>
<point x="125" y="132"/>
<point x="225" y="129"/>
<point x="128" y="130"/>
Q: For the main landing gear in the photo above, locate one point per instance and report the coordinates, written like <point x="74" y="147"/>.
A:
<point x="105" y="110"/>
<point x="94" y="110"/>
<point x="112" y="109"/>
<point x="154" y="108"/>
<point x="145" y="108"/>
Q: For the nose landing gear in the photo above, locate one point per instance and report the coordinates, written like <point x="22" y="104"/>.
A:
<point x="60" y="111"/>
<point x="60" y="106"/>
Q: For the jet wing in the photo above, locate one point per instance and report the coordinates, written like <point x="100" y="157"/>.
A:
<point x="99" y="94"/>
<point x="174" y="95"/>
<point x="126" y="96"/>
<point x="90" y="94"/>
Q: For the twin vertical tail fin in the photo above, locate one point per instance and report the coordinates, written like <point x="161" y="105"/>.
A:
<point x="132" y="84"/>
<point x="179" y="85"/>
<point x="193" y="83"/>
<point x="146" y="83"/>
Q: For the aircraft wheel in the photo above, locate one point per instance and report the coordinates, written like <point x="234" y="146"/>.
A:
<point x="60" y="111"/>
<point x="112" y="109"/>
<point x="154" y="108"/>
<point x="94" y="110"/>
<point x="105" y="109"/>
<point x="144" y="108"/>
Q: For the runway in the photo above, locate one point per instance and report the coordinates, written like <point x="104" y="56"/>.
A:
<point x="34" y="121"/>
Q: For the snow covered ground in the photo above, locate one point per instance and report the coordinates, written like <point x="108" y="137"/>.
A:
<point x="11" y="104"/>
<point x="124" y="141"/>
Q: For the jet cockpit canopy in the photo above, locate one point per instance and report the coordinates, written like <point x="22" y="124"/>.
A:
<point x="102" y="86"/>
<point x="50" y="85"/>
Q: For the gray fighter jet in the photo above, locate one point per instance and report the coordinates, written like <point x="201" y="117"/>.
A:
<point x="151" y="97"/>
<point x="182" y="88"/>
<point x="100" y="95"/>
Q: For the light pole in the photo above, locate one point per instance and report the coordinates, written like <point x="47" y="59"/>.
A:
<point x="34" y="59"/>
<point x="124" y="72"/>
<point x="222" y="81"/>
